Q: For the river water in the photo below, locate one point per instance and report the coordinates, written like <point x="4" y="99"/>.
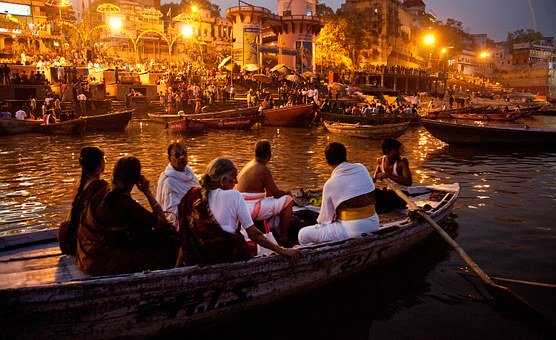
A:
<point x="504" y="219"/>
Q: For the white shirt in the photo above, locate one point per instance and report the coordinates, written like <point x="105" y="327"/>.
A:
<point x="20" y="114"/>
<point x="172" y="186"/>
<point x="228" y="208"/>
<point x="81" y="97"/>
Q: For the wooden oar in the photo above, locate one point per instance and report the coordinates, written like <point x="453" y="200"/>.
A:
<point x="497" y="291"/>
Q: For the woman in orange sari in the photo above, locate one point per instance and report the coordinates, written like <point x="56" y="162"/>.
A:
<point x="91" y="160"/>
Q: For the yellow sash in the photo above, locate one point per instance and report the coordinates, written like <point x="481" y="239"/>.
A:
<point x="349" y="214"/>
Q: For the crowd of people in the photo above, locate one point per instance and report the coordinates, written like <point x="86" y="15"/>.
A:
<point x="225" y="215"/>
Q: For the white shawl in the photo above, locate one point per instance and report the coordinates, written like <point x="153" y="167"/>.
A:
<point x="172" y="186"/>
<point x="348" y="180"/>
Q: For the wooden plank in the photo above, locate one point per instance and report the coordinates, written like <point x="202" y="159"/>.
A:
<point x="14" y="241"/>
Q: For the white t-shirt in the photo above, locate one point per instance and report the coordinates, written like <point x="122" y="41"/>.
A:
<point x="228" y="208"/>
<point x="20" y="114"/>
<point x="81" y="97"/>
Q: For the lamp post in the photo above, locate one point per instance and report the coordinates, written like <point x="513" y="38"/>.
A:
<point x="484" y="56"/>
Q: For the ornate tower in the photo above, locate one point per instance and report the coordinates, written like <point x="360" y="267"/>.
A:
<point x="296" y="27"/>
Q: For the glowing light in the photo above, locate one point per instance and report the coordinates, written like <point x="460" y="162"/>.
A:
<point x="444" y="50"/>
<point x="429" y="39"/>
<point x="186" y="30"/>
<point x="115" y="23"/>
<point x="194" y="8"/>
<point x="484" y="54"/>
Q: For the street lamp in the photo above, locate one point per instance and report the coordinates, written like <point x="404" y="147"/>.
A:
<point x="115" y="23"/>
<point x="429" y="40"/>
<point x="484" y="54"/>
<point x="186" y="31"/>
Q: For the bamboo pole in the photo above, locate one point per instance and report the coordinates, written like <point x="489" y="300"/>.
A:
<point x="497" y="291"/>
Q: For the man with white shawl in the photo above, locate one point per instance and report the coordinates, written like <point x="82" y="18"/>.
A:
<point x="174" y="182"/>
<point x="347" y="208"/>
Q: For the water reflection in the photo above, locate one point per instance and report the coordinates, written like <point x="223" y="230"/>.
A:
<point x="504" y="218"/>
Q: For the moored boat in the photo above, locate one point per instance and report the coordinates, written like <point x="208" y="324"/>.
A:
<point x="163" y="118"/>
<point x="234" y="123"/>
<point x="16" y="126"/>
<point x="116" y="121"/>
<point x="37" y="283"/>
<point x="186" y="125"/>
<point x="453" y="132"/>
<point x="68" y="127"/>
<point x="505" y="117"/>
<point x="298" y="115"/>
<point x="367" y="131"/>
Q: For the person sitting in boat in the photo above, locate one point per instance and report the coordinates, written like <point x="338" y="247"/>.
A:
<point x="265" y="200"/>
<point x="209" y="220"/>
<point x="392" y="165"/>
<point x="174" y="182"/>
<point x="91" y="160"/>
<point x="117" y="235"/>
<point x="21" y="114"/>
<point x="347" y="208"/>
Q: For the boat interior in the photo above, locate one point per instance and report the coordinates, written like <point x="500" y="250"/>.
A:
<point x="34" y="259"/>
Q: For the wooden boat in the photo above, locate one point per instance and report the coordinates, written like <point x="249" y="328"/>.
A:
<point x="235" y="123"/>
<point x="186" y="126"/>
<point x="116" y="121"/>
<point x="298" y="115"/>
<point x="506" y="117"/>
<point x="69" y="127"/>
<point x="375" y="119"/>
<point x="16" y="126"/>
<point x="38" y="284"/>
<point x="163" y="118"/>
<point x="367" y="131"/>
<point x="468" y="133"/>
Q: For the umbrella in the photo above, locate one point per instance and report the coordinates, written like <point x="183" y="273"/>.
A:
<point x="308" y="75"/>
<point x="262" y="78"/>
<point x="294" y="78"/>
<point x="251" y="67"/>
<point x="280" y="68"/>
<point x="225" y="61"/>
<point x="232" y="67"/>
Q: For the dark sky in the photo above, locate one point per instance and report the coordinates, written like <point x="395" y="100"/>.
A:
<point x="495" y="17"/>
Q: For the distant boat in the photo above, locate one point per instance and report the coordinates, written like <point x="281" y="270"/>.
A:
<point x="68" y="127"/>
<point x="186" y="126"/>
<point x="381" y="131"/>
<point x="297" y="115"/>
<point x="234" y="123"/>
<point x="12" y="126"/>
<point x="469" y="133"/>
<point x="115" y="121"/>
<point x="163" y="118"/>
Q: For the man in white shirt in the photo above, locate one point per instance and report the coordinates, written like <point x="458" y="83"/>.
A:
<point x="20" y="114"/>
<point x="347" y="208"/>
<point x="174" y="182"/>
<point x="82" y="99"/>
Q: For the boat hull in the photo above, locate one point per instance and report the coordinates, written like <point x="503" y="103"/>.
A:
<point x="299" y="115"/>
<point x="116" y="121"/>
<point x="70" y="127"/>
<point x="460" y="133"/>
<point x="229" y="123"/>
<point x="367" y="131"/>
<point x="16" y="126"/>
<point x="186" y="126"/>
<point x="147" y="303"/>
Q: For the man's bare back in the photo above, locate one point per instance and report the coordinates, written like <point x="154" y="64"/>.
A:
<point x="256" y="177"/>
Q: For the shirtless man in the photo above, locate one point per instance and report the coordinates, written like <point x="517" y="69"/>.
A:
<point x="265" y="200"/>
<point x="392" y="165"/>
